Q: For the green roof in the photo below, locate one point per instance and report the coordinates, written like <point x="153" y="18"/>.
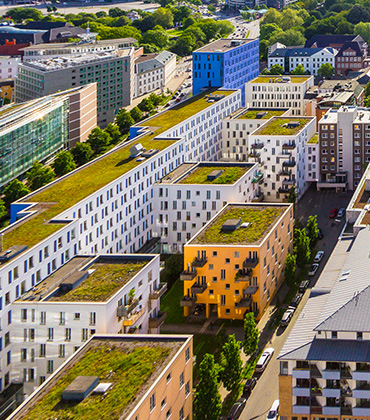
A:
<point x="278" y="126"/>
<point x="267" y="79"/>
<point x="106" y="280"/>
<point x="82" y="183"/>
<point x="314" y="139"/>
<point x="127" y="366"/>
<point x="260" y="219"/>
<point x="199" y="175"/>
<point x="252" y="114"/>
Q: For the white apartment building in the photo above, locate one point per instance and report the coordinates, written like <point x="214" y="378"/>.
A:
<point x="9" y="67"/>
<point x="105" y="294"/>
<point x="193" y="193"/>
<point x="153" y="71"/>
<point x="282" y="156"/>
<point x="312" y="159"/>
<point x="278" y="92"/>
<point x="106" y="206"/>
<point x="237" y="127"/>
<point x="310" y="58"/>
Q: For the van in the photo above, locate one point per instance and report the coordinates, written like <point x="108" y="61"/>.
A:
<point x="273" y="414"/>
<point x="264" y="359"/>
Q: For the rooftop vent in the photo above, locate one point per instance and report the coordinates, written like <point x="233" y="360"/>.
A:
<point x="261" y="114"/>
<point x="293" y="124"/>
<point x="12" y="252"/>
<point x="231" y="224"/>
<point x="102" y="388"/>
<point x="214" y="174"/>
<point x="215" y="98"/>
<point x="136" y="150"/>
<point x="244" y="225"/>
<point x="149" y="153"/>
<point x="80" y="388"/>
<point x="234" y="43"/>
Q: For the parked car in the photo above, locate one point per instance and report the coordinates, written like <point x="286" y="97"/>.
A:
<point x="295" y="301"/>
<point x="320" y="235"/>
<point x="333" y="213"/>
<point x="313" y="269"/>
<point x="264" y="359"/>
<point x="318" y="256"/>
<point x="341" y="212"/>
<point x="303" y="286"/>
<point x="286" y="317"/>
<point x="273" y="414"/>
<point x="249" y="385"/>
<point x="237" y="409"/>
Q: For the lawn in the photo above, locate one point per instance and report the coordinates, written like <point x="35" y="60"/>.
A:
<point x="170" y="303"/>
<point x="82" y="183"/>
<point x="175" y="32"/>
<point x="199" y="175"/>
<point x="132" y="368"/>
<point x="277" y="126"/>
<point x="252" y="115"/>
<point x="314" y="139"/>
<point x="259" y="218"/>
<point x="293" y="79"/>
<point x="103" y="283"/>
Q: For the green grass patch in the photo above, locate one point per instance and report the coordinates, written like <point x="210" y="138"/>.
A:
<point x="175" y="32"/>
<point x="278" y="126"/>
<point x="252" y="114"/>
<point x="199" y="175"/>
<point x="170" y="302"/>
<point x="267" y="79"/>
<point x="82" y="183"/>
<point x="314" y="139"/>
<point x="260" y="219"/>
<point x="132" y="367"/>
<point x="103" y="283"/>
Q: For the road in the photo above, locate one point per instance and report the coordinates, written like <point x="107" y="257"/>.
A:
<point x="266" y="390"/>
<point x="242" y="27"/>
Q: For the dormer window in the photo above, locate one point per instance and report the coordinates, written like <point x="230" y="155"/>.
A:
<point x="359" y="335"/>
<point x="334" y="334"/>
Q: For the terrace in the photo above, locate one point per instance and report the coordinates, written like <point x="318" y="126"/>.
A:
<point x="285" y="126"/>
<point x="81" y="183"/>
<point x="200" y="175"/>
<point x="255" y="221"/>
<point x="130" y="365"/>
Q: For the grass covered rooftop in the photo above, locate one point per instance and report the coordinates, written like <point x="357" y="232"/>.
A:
<point x="252" y="114"/>
<point x="199" y="175"/>
<point x="260" y="219"/>
<point x="82" y="183"/>
<point x="102" y="283"/>
<point x="268" y="79"/>
<point x="129" y="366"/>
<point x="278" y="126"/>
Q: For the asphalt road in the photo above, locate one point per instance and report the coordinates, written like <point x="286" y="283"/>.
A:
<point x="242" y="27"/>
<point x="319" y="203"/>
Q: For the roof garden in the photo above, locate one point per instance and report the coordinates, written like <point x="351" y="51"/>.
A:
<point x="203" y="175"/>
<point x="279" y="79"/>
<point x="252" y="114"/>
<point x="129" y="365"/>
<point x="82" y="183"/>
<point x="258" y="220"/>
<point x="314" y="139"/>
<point x="286" y="126"/>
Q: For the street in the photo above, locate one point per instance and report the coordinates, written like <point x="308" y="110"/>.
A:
<point x="319" y="203"/>
<point x="242" y="27"/>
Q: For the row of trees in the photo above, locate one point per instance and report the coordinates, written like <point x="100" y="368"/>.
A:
<point x="207" y="402"/>
<point x="326" y="70"/>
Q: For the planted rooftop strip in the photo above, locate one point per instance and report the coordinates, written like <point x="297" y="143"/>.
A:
<point x="265" y="115"/>
<point x="200" y="174"/>
<point x="282" y="126"/>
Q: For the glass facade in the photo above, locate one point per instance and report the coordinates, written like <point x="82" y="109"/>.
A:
<point x="37" y="133"/>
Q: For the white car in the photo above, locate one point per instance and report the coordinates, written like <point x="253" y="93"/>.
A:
<point x="274" y="411"/>
<point x="313" y="269"/>
<point x="264" y="359"/>
<point x="287" y="317"/>
<point x="318" y="256"/>
<point x="341" y="212"/>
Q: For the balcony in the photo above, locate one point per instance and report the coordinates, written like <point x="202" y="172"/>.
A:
<point x="157" y="321"/>
<point x="289" y="163"/>
<point x="258" y="145"/>
<point x="198" y="289"/>
<point x="331" y="410"/>
<point x="158" y="293"/>
<point x="346" y="374"/>
<point x="362" y="392"/>
<point x="187" y="301"/>
<point x="289" y="182"/>
<point x="346" y="411"/>
<point x="243" y="275"/>
<point x="188" y="275"/>
<point x="258" y="178"/>
<point x="315" y="372"/>
<point x="250" y="262"/>
<point x="331" y="374"/>
<point x="199" y="262"/>
<point x="244" y="302"/>
<point x="359" y="375"/>
<point x="301" y="409"/>
<point x="338" y="180"/>
<point x="289" y="145"/>
<point x="284" y="190"/>
<point x="132" y="318"/>
<point x="316" y="409"/>
<point x="301" y="392"/>
<point x="301" y="373"/>
<point x="331" y="392"/>
<point x="285" y="172"/>
<point x="362" y="410"/>
<point x="259" y="197"/>
<point x="254" y="155"/>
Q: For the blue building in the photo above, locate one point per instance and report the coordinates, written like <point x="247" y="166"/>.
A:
<point x="228" y="63"/>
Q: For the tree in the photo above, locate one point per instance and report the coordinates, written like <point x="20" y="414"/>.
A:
<point x="312" y="230"/>
<point x="156" y="37"/>
<point x="114" y="133"/>
<point x="163" y="17"/>
<point x="98" y="140"/>
<point x="292" y="196"/>
<point x="344" y="28"/>
<point x="357" y="14"/>
<point x="302" y="247"/>
<point x="251" y="334"/>
<point x="326" y="70"/>
<point x="146" y="105"/>
<point x="19" y="14"/>
<point x="207" y="402"/>
<point x="363" y="29"/>
<point x="124" y="121"/>
<point x="268" y="30"/>
<point x="299" y="70"/>
<point x="367" y="89"/>
<point x="231" y="364"/>
<point x="14" y="191"/>
<point x="290" y="269"/>
<point x="181" y="13"/>
<point x="63" y="163"/>
<point x="3" y="211"/>
<point x="225" y="28"/>
<point x="289" y="38"/>
<point x="150" y="48"/>
<point x="81" y="153"/>
<point x="272" y="16"/>
<point x="155" y="99"/>
<point x="38" y="176"/>
<point x="188" y="22"/>
<point x="289" y="19"/>
<point x="276" y="70"/>
<point x="116" y="12"/>
<point x="136" y="114"/>
<point x="211" y="8"/>
<point x="185" y="44"/>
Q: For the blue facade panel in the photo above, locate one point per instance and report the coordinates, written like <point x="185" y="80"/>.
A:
<point x="229" y="69"/>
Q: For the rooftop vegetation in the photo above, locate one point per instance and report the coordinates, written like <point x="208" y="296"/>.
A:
<point x="229" y="175"/>
<point x="252" y="115"/>
<point x="132" y="368"/>
<point x="82" y="183"/>
<point x="103" y="283"/>
<point x="278" y="126"/>
<point x="267" y="79"/>
<point x="259" y="218"/>
<point x="314" y="139"/>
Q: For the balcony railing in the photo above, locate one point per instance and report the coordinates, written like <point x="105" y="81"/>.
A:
<point x="188" y="275"/>
<point x="289" y="146"/>
<point x="288" y="181"/>
<point x="199" y="262"/>
<point x="130" y="319"/>
<point x="187" y="301"/>
<point x="158" y="293"/>
<point x="284" y="190"/>
<point x="157" y="321"/>
<point x="289" y="163"/>
<point x="244" y="302"/>
<point x="259" y="197"/>
<point x="285" y="172"/>
<point x="258" y="178"/>
<point x="250" y="262"/>
<point x="257" y="145"/>
<point x="243" y="275"/>
<point x="198" y="288"/>
<point x="254" y="155"/>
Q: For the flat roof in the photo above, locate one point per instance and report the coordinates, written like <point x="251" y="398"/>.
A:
<point x="251" y="114"/>
<point x="279" y="126"/>
<point x="71" y="45"/>
<point x="81" y="183"/>
<point x="259" y="219"/>
<point x="131" y="364"/>
<point x="314" y="139"/>
<point x="279" y="79"/>
<point x="87" y="279"/>
<point x="223" y="45"/>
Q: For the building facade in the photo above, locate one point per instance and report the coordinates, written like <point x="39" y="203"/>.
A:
<point x="9" y="67"/>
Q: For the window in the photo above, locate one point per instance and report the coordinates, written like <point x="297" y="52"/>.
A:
<point x="223" y="300"/>
<point x="24" y="315"/>
<point x="68" y="334"/>
<point x="181" y="413"/>
<point x="62" y="350"/>
<point x="50" y="334"/>
<point x="334" y="334"/>
<point x="77" y="316"/>
<point x="187" y="355"/>
<point x="62" y="318"/>
<point x="50" y="368"/>
<point x="182" y="380"/>
<point x="359" y="336"/>
<point x="187" y="388"/>
<point x="42" y="318"/>
<point x="85" y="334"/>
<point x="169" y="377"/>
<point x="42" y="352"/>
<point x="152" y="402"/>
<point x="168" y="414"/>
<point x="163" y="403"/>
<point x="92" y="318"/>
